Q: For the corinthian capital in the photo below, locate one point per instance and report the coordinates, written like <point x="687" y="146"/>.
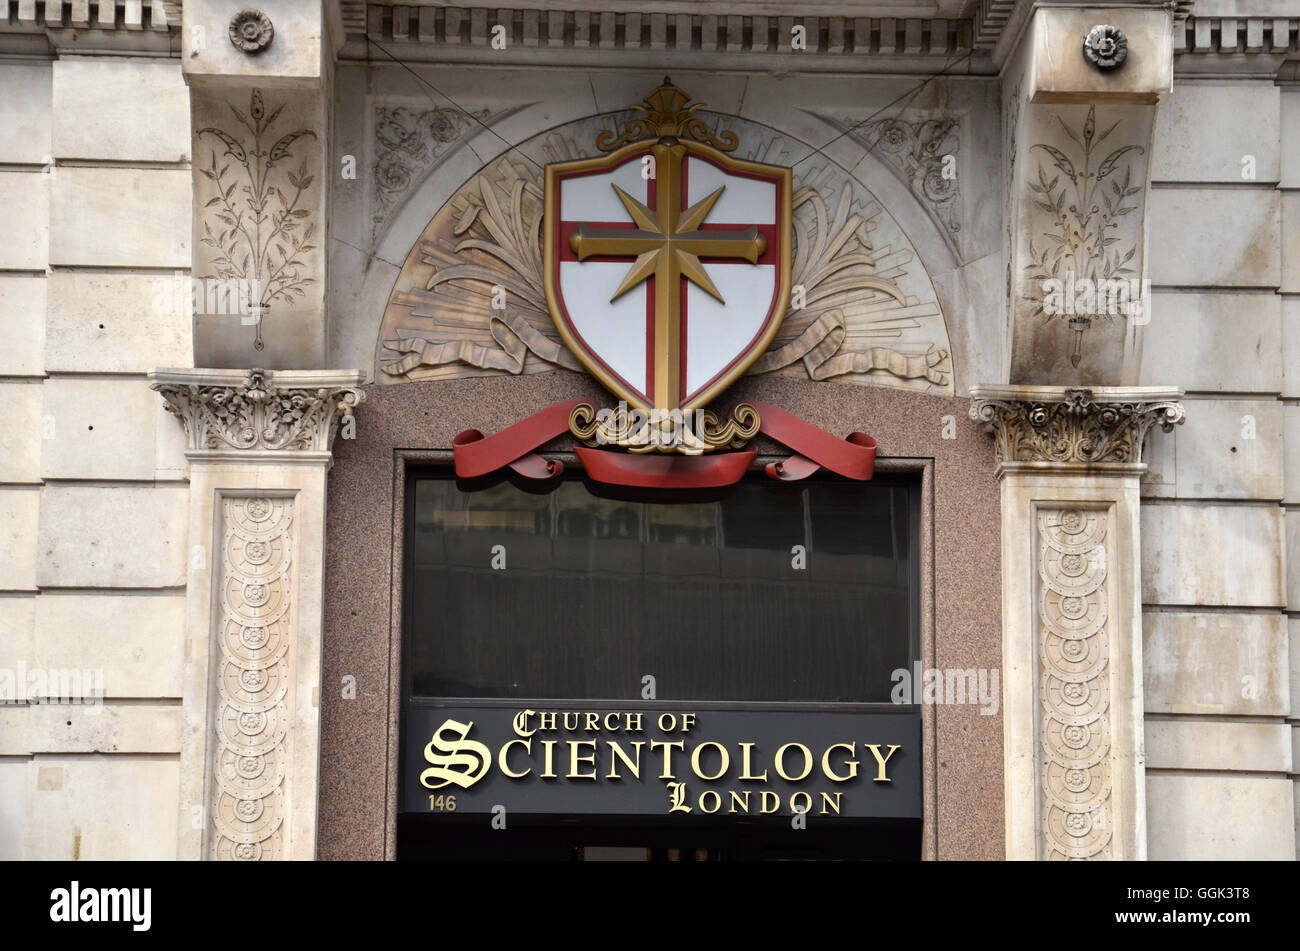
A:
<point x="1073" y="426"/>
<point x="259" y="411"/>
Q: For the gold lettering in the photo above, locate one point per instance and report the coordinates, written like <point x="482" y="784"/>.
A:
<point x="762" y="802"/>
<point x="633" y="723"/>
<point x="504" y="751"/>
<point x="737" y="801"/>
<point x="852" y="764"/>
<point x="833" y="803"/>
<point x="593" y="723"/>
<point x="688" y="722"/>
<point x="668" y="757"/>
<point x="549" y="771"/>
<point x="807" y="802"/>
<point x="672" y="722"/>
<point x="717" y="801"/>
<point x="547" y="721"/>
<point x="575" y="759"/>
<point x="617" y="749"/>
<point x="875" y="751"/>
<point x="614" y="717"/>
<point x="807" y="762"/>
<point x="745" y="750"/>
<point x="521" y="724"/>
<point x="723" y="763"/>
<point x="459" y="760"/>
<point x="575" y="721"/>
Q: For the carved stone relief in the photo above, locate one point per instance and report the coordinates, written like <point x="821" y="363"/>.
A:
<point x="870" y="314"/>
<point x="250" y="757"/>
<point x="1080" y="220"/>
<point x="1074" y="684"/>
<point x="409" y="142"/>
<point x="257" y="212"/>
<point x="923" y="153"/>
<point x="1075" y="426"/>
<point x="1078" y="297"/>
<point x="257" y="413"/>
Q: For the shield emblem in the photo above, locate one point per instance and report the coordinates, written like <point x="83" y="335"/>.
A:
<point x="667" y="262"/>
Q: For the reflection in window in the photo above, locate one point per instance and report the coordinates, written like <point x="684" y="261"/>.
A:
<point x="706" y="596"/>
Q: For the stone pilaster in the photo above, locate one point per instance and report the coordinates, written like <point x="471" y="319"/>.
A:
<point x="260" y="81"/>
<point x="259" y="451"/>
<point x="1069" y="465"/>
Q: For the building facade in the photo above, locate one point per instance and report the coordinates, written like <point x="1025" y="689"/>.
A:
<point x="272" y="274"/>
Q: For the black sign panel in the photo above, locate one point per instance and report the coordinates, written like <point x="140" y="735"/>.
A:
<point x="589" y="758"/>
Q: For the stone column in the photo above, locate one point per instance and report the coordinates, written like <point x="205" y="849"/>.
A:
<point x="1069" y="462"/>
<point x="258" y="451"/>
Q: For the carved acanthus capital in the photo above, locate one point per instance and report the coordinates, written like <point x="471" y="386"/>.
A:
<point x="1071" y="426"/>
<point x="260" y="410"/>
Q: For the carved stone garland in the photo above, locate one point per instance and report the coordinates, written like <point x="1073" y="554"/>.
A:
<point x="1074" y="684"/>
<point x="252" y="680"/>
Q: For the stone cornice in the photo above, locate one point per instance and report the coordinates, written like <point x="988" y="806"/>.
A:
<point x="93" y="14"/>
<point x="655" y="39"/>
<point x="1234" y="46"/>
<point x="233" y="414"/>
<point x="1072" y="427"/>
<point x="42" y="27"/>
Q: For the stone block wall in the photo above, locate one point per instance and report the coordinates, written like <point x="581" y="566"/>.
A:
<point x="94" y="499"/>
<point x="1221" y="602"/>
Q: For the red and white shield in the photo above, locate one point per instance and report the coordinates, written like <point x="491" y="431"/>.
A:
<point x="667" y="267"/>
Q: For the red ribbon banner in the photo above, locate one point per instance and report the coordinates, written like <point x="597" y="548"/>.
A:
<point x="478" y="455"/>
<point x="853" y="457"/>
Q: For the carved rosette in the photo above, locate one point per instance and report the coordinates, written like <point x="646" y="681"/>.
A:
<point x="251" y="31"/>
<point x="257" y="413"/>
<point x="1079" y="426"/>
<point x="252" y="680"/>
<point x="1074" y="684"/>
<point x="1105" y="47"/>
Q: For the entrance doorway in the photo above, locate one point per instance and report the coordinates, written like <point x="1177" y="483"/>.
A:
<point x="761" y="612"/>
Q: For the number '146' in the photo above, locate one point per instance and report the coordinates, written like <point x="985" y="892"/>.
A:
<point x="442" y="803"/>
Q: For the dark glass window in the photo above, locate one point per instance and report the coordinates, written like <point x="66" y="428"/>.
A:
<point x="574" y="595"/>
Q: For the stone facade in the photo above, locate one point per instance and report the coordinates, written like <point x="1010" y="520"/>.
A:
<point x="334" y="195"/>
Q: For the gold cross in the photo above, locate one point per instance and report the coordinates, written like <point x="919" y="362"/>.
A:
<point x="668" y="245"/>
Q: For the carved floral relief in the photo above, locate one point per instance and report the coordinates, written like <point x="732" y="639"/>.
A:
<point x="409" y="142"/>
<point x="923" y="153"/>
<point x="1082" y="194"/>
<point x="260" y="221"/>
